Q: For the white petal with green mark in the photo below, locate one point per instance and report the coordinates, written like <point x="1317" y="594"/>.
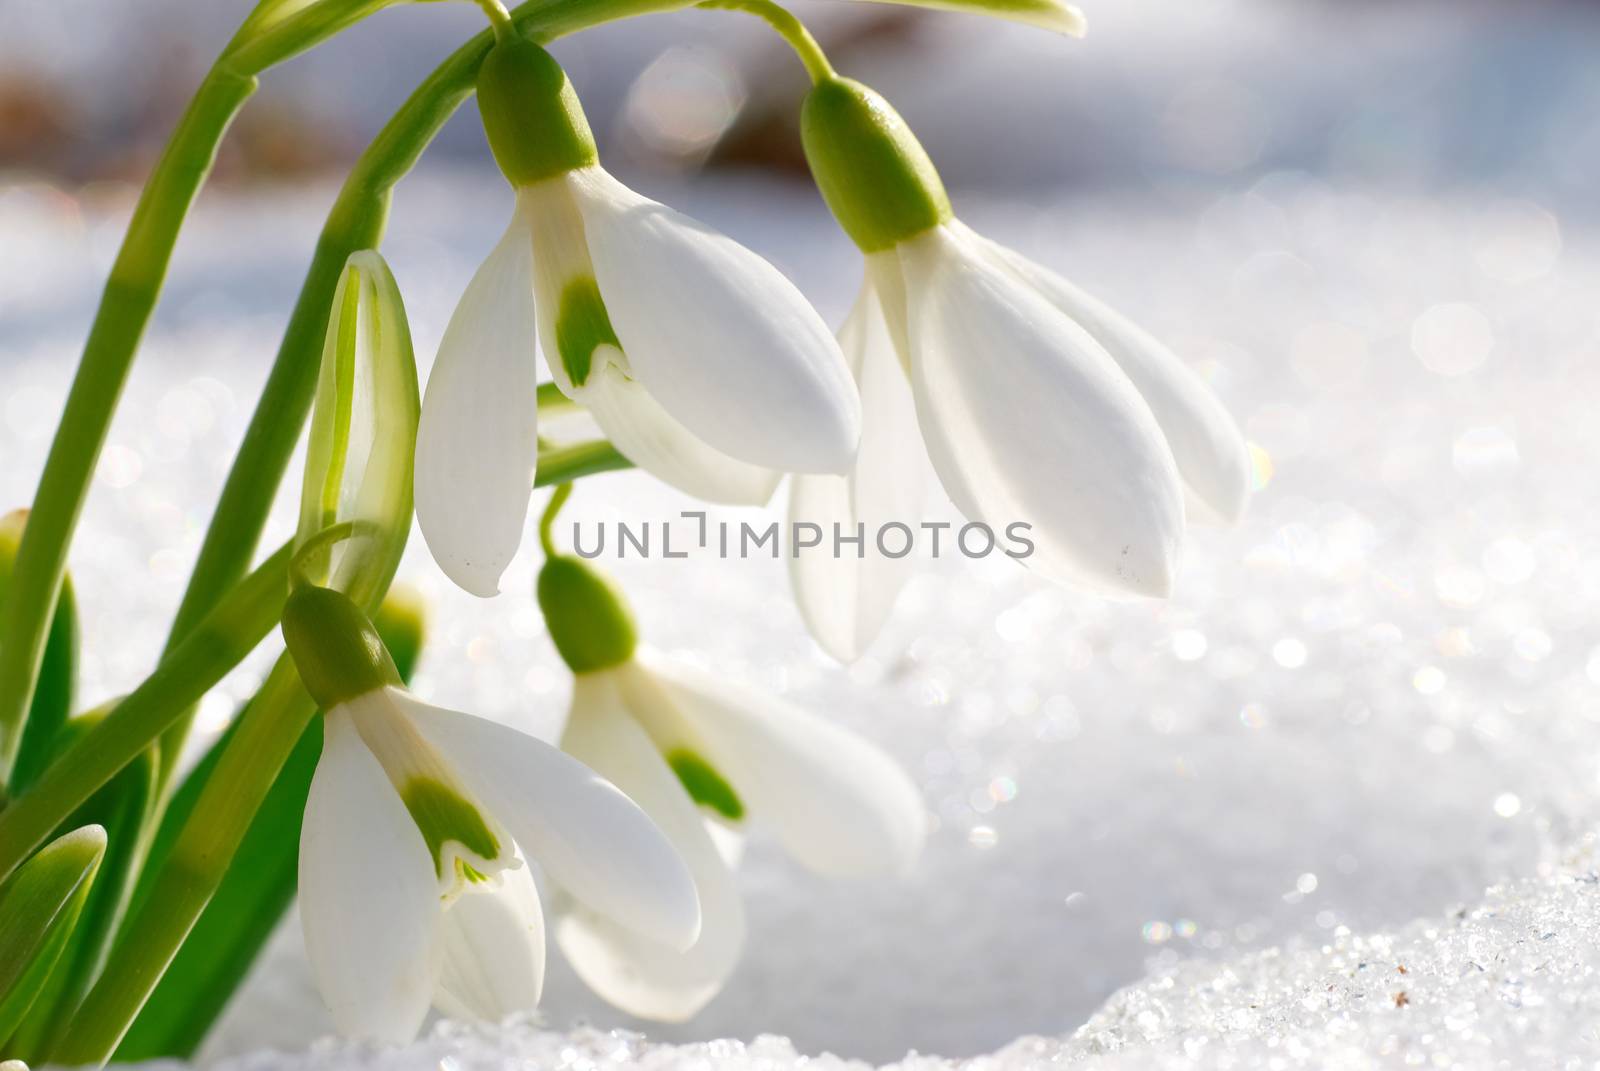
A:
<point x="588" y="837"/>
<point x="648" y="978"/>
<point x="839" y="804"/>
<point x="726" y="344"/>
<point x="369" y="899"/>
<point x="466" y="841"/>
<point x="586" y="360"/>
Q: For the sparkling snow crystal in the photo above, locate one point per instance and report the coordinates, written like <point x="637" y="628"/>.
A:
<point x="1167" y="835"/>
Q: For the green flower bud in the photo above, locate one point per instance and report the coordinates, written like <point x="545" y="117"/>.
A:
<point x="363" y="440"/>
<point x="588" y="619"/>
<point x="872" y="171"/>
<point x="335" y="647"/>
<point x="535" y="124"/>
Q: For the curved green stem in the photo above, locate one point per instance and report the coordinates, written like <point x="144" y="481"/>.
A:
<point x="788" y="27"/>
<point x="567" y="463"/>
<point x="548" y="519"/>
<point x="267" y="732"/>
<point x="499" y="18"/>
<point x="219" y="643"/>
<point x="130" y="296"/>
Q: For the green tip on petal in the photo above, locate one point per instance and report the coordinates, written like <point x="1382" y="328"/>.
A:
<point x="582" y="326"/>
<point x="443" y="817"/>
<point x="536" y="127"/>
<point x="705" y="785"/>
<point x="872" y="171"/>
<point x="588" y="618"/>
<point x="335" y="647"/>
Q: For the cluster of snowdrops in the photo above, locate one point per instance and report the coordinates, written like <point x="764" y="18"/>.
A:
<point x="669" y="347"/>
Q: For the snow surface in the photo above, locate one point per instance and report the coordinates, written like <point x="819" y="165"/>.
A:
<point x="1194" y="833"/>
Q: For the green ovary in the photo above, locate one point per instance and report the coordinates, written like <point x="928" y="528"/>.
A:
<point x="705" y="785"/>
<point x="443" y="817"/>
<point x="582" y="326"/>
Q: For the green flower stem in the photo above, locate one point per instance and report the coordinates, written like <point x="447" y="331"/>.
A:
<point x="267" y="732"/>
<point x="567" y="463"/>
<point x="356" y="222"/>
<point x="130" y="296"/>
<point x="547" y="522"/>
<point x="215" y="646"/>
<point x="791" y="29"/>
<point x="499" y="18"/>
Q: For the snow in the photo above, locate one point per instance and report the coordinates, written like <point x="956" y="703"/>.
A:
<point x="1197" y="833"/>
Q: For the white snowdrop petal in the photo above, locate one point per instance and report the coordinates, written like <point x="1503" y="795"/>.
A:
<point x="642" y="977"/>
<point x="493" y="950"/>
<point x="589" y="837"/>
<point x="839" y="804"/>
<point x="649" y="437"/>
<point x="845" y="598"/>
<point x="477" y="441"/>
<point x="1028" y="420"/>
<point x="369" y="900"/>
<point x="1205" y="440"/>
<point x="718" y="335"/>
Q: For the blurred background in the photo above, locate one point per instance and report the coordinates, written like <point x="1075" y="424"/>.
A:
<point x="1369" y="223"/>
<point x="1167" y="96"/>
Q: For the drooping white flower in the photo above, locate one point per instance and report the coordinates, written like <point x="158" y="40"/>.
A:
<point x="699" y="360"/>
<point x="1036" y="403"/>
<point x="413" y="886"/>
<point x="702" y="755"/>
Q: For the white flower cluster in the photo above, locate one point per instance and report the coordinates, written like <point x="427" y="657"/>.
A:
<point x="702" y="364"/>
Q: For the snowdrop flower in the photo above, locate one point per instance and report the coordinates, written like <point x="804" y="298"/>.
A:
<point x="412" y="884"/>
<point x="1035" y="402"/>
<point x="701" y="755"/>
<point x="697" y="358"/>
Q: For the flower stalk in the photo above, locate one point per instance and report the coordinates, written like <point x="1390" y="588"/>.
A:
<point x="267" y="732"/>
<point x="786" y="26"/>
<point x="130" y="297"/>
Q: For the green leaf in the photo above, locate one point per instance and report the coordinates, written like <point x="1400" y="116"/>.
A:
<point x="58" y="672"/>
<point x="122" y="808"/>
<point x="254" y="895"/>
<point x="39" y="905"/>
